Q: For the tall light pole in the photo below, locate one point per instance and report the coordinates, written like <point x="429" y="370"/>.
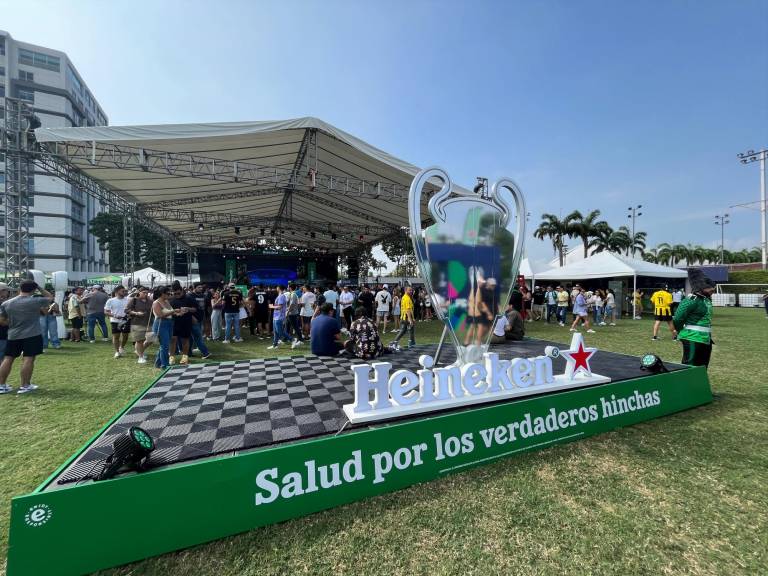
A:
<point x="721" y="220"/>
<point x="747" y="158"/>
<point x="634" y="213"/>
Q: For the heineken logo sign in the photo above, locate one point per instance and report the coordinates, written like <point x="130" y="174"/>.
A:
<point x="381" y="393"/>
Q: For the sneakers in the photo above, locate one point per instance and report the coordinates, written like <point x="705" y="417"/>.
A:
<point x="590" y="331"/>
<point x="572" y="330"/>
<point x="561" y="324"/>
<point x="142" y="360"/>
<point x="27" y="388"/>
<point x="296" y="343"/>
<point x="274" y="346"/>
<point x="5" y="389"/>
<point x="654" y="337"/>
<point x="225" y="342"/>
<point x="117" y="354"/>
<point x="121" y="350"/>
<point x="612" y="324"/>
<point x="103" y="340"/>
<point x="237" y="340"/>
<point x="172" y="360"/>
<point x="603" y="324"/>
<point x="207" y="356"/>
<point x="89" y="341"/>
<point x="184" y="359"/>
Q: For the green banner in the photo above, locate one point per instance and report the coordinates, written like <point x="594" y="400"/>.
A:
<point x="87" y="527"/>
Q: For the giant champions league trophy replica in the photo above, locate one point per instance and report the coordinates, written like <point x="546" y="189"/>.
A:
<point x="469" y="256"/>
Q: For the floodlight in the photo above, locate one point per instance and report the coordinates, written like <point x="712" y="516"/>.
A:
<point x="652" y="364"/>
<point x="200" y="227"/>
<point x="130" y="450"/>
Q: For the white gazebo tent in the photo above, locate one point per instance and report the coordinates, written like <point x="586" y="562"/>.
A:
<point x="531" y="269"/>
<point x="610" y="265"/>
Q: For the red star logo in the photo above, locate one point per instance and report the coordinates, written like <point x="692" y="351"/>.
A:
<point x="578" y="357"/>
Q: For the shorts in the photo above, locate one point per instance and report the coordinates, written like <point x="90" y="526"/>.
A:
<point x="77" y="323"/>
<point x="382" y="313"/>
<point x="182" y="330"/>
<point x="138" y="333"/>
<point x="120" y="327"/>
<point x="663" y="317"/>
<point x="32" y="346"/>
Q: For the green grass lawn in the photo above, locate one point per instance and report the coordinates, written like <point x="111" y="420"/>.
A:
<point x="685" y="494"/>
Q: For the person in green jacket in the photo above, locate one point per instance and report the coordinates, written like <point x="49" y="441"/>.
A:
<point x="693" y="320"/>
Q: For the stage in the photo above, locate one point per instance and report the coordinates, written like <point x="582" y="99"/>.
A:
<point x="250" y="443"/>
<point x="205" y="410"/>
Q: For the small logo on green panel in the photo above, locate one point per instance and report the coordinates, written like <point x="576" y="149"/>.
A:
<point x="38" y="515"/>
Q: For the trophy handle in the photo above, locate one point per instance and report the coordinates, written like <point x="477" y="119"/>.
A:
<point x="414" y="213"/>
<point x="508" y="185"/>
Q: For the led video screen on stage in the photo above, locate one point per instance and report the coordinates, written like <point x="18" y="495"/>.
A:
<point x="268" y="270"/>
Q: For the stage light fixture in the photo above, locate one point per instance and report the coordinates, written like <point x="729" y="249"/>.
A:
<point x="652" y="364"/>
<point x="130" y="450"/>
<point x="237" y="229"/>
<point x="311" y="234"/>
<point x="333" y="236"/>
<point x="200" y="227"/>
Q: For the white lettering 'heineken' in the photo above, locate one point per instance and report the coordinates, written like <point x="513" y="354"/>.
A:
<point x="381" y="394"/>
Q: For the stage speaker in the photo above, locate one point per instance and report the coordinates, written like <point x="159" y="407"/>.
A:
<point x="180" y="267"/>
<point x="353" y="270"/>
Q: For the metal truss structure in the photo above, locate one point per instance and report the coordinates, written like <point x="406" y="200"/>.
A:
<point x="109" y="155"/>
<point x="18" y="167"/>
<point x="208" y="225"/>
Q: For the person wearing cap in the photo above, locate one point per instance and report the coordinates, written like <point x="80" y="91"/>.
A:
<point x="693" y="320"/>
<point x="5" y="293"/>
<point x="95" y="299"/>
<point x="383" y="300"/>
<point x="662" y="310"/>
<point x="22" y="316"/>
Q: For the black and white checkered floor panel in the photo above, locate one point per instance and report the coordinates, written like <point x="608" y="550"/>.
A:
<point x="208" y="409"/>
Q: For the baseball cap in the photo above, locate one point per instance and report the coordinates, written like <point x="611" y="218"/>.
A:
<point x="385" y="286"/>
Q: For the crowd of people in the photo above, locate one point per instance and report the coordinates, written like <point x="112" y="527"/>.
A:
<point x="179" y="321"/>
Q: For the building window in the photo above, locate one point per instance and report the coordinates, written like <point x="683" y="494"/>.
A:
<point x="77" y="86"/>
<point x="26" y="76"/>
<point x="27" y="95"/>
<point x="2" y="90"/>
<point x="2" y="70"/>
<point x="2" y="45"/>
<point x="39" y="60"/>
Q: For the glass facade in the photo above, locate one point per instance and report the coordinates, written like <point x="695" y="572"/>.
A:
<point x="39" y="60"/>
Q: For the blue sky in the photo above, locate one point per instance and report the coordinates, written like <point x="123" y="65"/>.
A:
<point x="584" y="104"/>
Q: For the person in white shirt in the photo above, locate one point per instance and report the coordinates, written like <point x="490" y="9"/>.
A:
<point x="677" y="297"/>
<point x="346" y="298"/>
<point x="383" y="299"/>
<point x="120" y="323"/>
<point x="308" y="299"/>
<point x="332" y="297"/>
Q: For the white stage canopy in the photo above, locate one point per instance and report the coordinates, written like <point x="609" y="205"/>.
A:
<point x="610" y="265"/>
<point x="310" y="182"/>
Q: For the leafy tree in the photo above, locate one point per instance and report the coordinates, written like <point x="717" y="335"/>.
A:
<point x="149" y="248"/>
<point x="555" y="230"/>
<point x="399" y="249"/>
<point x="584" y="227"/>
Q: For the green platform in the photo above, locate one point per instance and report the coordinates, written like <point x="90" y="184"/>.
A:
<point x="82" y="528"/>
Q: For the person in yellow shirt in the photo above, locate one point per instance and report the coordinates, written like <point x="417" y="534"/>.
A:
<point x="662" y="310"/>
<point x="407" y="320"/>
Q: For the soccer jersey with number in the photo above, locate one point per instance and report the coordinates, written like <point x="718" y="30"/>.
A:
<point x="662" y="303"/>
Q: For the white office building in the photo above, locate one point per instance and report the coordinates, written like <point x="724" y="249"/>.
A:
<point x="59" y="213"/>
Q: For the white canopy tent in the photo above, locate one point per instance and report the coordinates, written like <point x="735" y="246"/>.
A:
<point x="532" y="269"/>
<point x="610" y="265"/>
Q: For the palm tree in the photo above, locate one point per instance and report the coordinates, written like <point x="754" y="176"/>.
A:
<point x="602" y="240"/>
<point x="634" y="243"/>
<point x="555" y="229"/>
<point x="584" y="227"/>
<point x="680" y="253"/>
<point x="664" y="253"/>
<point x="710" y="255"/>
<point x="650" y="256"/>
<point x="755" y="254"/>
